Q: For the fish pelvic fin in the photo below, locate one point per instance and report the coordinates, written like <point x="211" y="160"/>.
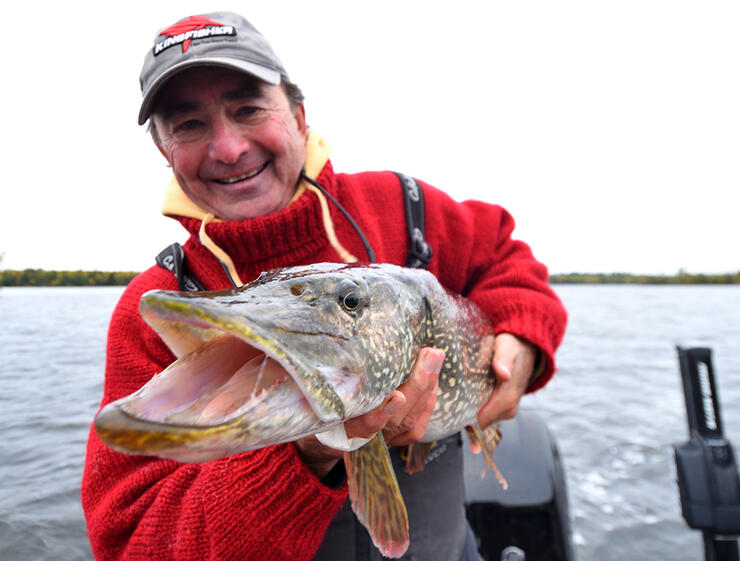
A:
<point x="486" y="440"/>
<point x="416" y="455"/>
<point x="376" y="498"/>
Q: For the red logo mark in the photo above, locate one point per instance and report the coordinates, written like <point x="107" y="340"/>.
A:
<point x="192" y="23"/>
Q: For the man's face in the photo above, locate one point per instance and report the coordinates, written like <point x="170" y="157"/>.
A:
<point x="233" y="142"/>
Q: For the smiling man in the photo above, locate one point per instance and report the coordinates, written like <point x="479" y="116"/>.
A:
<point x="235" y="144"/>
<point x="253" y="188"/>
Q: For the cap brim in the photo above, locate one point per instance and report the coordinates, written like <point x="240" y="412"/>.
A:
<point x="263" y="73"/>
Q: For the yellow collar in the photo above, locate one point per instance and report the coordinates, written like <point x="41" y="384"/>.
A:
<point x="177" y="203"/>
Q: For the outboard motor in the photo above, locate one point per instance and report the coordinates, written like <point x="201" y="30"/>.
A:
<point x="530" y="520"/>
<point x="706" y="469"/>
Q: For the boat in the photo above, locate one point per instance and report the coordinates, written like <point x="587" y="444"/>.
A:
<point x="530" y="521"/>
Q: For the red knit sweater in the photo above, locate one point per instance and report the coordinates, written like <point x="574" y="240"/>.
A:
<point x="266" y="504"/>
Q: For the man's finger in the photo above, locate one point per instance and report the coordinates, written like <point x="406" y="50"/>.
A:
<point x="505" y="352"/>
<point x="502" y="370"/>
<point x="417" y="431"/>
<point x="368" y="424"/>
<point x="402" y="409"/>
<point x="418" y="388"/>
<point x="490" y="411"/>
<point x="503" y="404"/>
<point x="513" y="362"/>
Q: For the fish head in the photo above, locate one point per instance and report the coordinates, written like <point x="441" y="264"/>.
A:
<point x="330" y="340"/>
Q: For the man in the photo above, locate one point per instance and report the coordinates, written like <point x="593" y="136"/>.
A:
<point x="225" y="116"/>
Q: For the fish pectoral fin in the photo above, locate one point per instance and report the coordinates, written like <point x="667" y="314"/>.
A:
<point x="376" y="498"/>
<point x="486" y="440"/>
<point x="416" y="456"/>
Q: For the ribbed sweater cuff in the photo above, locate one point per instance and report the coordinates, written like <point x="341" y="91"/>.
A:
<point x="294" y="510"/>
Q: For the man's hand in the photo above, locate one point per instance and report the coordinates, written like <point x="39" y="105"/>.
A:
<point x="513" y="364"/>
<point x="403" y="417"/>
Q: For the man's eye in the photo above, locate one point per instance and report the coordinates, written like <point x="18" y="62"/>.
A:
<point x="187" y="126"/>
<point x="247" y="111"/>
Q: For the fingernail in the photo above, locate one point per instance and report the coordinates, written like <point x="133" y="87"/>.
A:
<point x="394" y="404"/>
<point x="432" y="360"/>
<point x="504" y="369"/>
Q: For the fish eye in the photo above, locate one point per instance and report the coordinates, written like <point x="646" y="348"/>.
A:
<point x="349" y="295"/>
<point x="296" y="289"/>
<point x="349" y="298"/>
<point x="351" y="301"/>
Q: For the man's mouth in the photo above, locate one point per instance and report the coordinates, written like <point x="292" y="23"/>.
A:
<point x="238" y="178"/>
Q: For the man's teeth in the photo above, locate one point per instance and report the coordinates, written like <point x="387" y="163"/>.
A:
<point x="230" y="180"/>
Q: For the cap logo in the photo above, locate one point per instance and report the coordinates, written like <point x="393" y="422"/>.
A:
<point x="190" y="29"/>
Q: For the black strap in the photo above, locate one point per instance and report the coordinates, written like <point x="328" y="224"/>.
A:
<point x="420" y="254"/>
<point x="172" y="258"/>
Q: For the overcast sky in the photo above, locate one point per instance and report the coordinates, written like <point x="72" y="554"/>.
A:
<point x="610" y="130"/>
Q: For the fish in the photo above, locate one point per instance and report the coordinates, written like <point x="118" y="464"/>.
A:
<point x="298" y="352"/>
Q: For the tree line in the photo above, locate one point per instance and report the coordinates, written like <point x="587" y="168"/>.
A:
<point x="682" y="277"/>
<point x="41" y="277"/>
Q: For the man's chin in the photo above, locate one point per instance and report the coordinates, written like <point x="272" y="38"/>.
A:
<point x="245" y="209"/>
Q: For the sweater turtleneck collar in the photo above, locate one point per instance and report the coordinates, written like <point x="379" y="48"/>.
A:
<point x="296" y="230"/>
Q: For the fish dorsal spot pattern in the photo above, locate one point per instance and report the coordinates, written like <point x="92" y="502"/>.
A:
<point x="376" y="498"/>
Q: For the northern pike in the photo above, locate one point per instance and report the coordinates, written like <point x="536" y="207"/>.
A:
<point x="298" y="352"/>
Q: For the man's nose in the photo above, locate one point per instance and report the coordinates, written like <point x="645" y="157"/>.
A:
<point x="227" y="142"/>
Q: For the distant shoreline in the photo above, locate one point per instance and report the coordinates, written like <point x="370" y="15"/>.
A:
<point x="629" y="278"/>
<point x="42" y="277"/>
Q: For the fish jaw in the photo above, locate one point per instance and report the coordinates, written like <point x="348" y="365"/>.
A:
<point x="221" y="399"/>
<point x="255" y="324"/>
<point x="132" y="435"/>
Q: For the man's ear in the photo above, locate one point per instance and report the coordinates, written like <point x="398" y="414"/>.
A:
<point x="300" y="119"/>
<point x="157" y="141"/>
<point x="161" y="150"/>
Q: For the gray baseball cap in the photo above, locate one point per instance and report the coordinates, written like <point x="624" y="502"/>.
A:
<point x="216" y="39"/>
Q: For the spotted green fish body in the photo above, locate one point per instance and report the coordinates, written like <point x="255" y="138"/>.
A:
<point x="297" y="352"/>
<point x="347" y="335"/>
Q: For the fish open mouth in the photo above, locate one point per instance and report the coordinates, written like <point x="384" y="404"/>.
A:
<point x="174" y="313"/>
<point x="222" y="398"/>
<point x="235" y="388"/>
<point x="224" y="379"/>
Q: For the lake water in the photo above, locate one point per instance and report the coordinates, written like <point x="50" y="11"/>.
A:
<point x="615" y="407"/>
